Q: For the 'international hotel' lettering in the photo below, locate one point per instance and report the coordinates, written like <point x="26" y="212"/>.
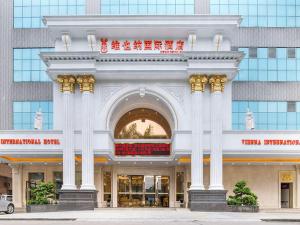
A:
<point x="270" y="142"/>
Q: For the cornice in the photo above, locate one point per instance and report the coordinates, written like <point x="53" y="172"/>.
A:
<point x="183" y="57"/>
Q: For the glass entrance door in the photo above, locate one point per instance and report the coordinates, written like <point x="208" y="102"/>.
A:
<point x="143" y="191"/>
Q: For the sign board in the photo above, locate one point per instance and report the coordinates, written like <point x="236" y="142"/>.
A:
<point x="29" y="141"/>
<point x="270" y="142"/>
<point x="142" y="46"/>
<point x="142" y="149"/>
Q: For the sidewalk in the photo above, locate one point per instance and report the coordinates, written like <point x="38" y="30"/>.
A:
<point x="134" y="214"/>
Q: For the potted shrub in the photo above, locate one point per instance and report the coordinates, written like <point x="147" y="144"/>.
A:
<point x="42" y="198"/>
<point x="243" y="200"/>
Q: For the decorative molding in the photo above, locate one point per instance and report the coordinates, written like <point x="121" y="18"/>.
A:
<point x="198" y="82"/>
<point x="217" y="82"/>
<point x="177" y="92"/>
<point x="108" y="91"/>
<point x="142" y="57"/>
<point x="86" y="83"/>
<point x="67" y="83"/>
<point x="287" y="176"/>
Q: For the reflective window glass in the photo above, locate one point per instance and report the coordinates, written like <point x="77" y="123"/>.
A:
<point x="24" y="114"/>
<point x="267" y="115"/>
<point x="28" y="66"/>
<point x="261" y="13"/>
<point x="29" y="13"/>
<point x="150" y="7"/>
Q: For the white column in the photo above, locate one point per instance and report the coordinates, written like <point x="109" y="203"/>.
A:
<point x="198" y="86"/>
<point x="216" y="123"/>
<point x="67" y="87"/>
<point x="17" y="185"/>
<point x="86" y="83"/>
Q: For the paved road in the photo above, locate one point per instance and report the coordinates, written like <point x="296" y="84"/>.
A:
<point x="195" y="222"/>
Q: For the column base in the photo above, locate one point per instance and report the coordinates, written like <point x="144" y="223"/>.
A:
<point x="207" y="200"/>
<point x="197" y="187"/>
<point x="77" y="200"/>
<point x="219" y="187"/>
<point x="88" y="187"/>
<point x="68" y="187"/>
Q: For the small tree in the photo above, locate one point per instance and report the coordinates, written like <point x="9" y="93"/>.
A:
<point x="243" y="195"/>
<point x="43" y="193"/>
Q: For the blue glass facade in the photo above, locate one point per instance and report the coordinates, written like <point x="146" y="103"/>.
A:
<point x="24" y="113"/>
<point x="281" y="67"/>
<point x="147" y="7"/>
<point x="28" y="66"/>
<point x="29" y="13"/>
<point x="267" y="115"/>
<point x="260" y="13"/>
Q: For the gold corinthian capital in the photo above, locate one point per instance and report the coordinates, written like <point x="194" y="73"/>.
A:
<point x="217" y="82"/>
<point x="67" y="83"/>
<point x="198" y="82"/>
<point x="86" y="83"/>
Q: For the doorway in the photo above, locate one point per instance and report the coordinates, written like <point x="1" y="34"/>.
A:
<point x="286" y="195"/>
<point x="143" y="191"/>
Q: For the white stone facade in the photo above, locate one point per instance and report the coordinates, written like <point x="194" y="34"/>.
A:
<point x="199" y="116"/>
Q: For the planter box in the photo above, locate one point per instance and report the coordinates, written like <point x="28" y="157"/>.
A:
<point x="41" y="208"/>
<point x="250" y="209"/>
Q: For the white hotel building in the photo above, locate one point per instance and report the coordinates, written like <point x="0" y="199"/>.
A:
<point x="144" y="111"/>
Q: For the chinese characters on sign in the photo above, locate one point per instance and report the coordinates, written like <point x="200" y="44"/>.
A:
<point x="160" y="46"/>
<point x="270" y="142"/>
<point x="142" y="149"/>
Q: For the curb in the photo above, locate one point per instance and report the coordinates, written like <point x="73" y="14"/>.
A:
<point x="38" y="219"/>
<point x="280" y="220"/>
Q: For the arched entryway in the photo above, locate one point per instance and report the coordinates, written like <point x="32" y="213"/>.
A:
<point x="142" y="128"/>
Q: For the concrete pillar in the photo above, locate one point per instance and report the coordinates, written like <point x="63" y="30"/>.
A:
<point x="67" y="88"/>
<point x="198" y="83"/>
<point x="216" y="155"/>
<point x="86" y="83"/>
<point x="17" y="184"/>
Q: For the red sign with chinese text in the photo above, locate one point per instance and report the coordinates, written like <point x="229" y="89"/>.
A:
<point x="137" y="45"/>
<point x="142" y="149"/>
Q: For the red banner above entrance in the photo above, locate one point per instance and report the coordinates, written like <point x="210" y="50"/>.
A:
<point x="142" y="149"/>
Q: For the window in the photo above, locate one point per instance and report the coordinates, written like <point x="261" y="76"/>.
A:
<point x="107" y="187"/>
<point x="29" y="13"/>
<point x="252" y="52"/>
<point x="147" y="7"/>
<point x="272" y="53"/>
<point x="58" y="179"/>
<point x="142" y="123"/>
<point x="268" y="115"/>
<point x="291" y="106"/>
<point x="35" y="177"/>
<point x="270" y="64"/>
<point x="260" y="13"/>
<point x="180" y="187"/>
<point x="28" y="67"/>
<point x="291" y="53"/>
<point x="24" y="113"/>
